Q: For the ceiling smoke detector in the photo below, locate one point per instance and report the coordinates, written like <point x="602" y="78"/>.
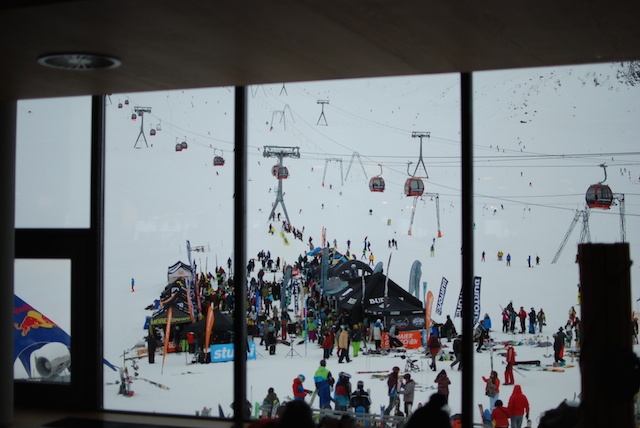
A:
<point x="78" y="61"/>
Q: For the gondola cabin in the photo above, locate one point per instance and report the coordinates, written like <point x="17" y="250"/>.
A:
<point x="274" y="170"/>
<point x="119" y="105"/>
<point x="184" y="145"/>
<point x="134" y="116"/>
<point x="413" y="187"/>
<point x="283" y="173"/>
<point x="218" y="161"/>
<point x="599" y="196"/>
<point x="376" y="184"/>
<point x="152" y="132"/>
<point x="178" y="147"/>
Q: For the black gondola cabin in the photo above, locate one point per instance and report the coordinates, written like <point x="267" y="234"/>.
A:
<point x="218" y="161"/>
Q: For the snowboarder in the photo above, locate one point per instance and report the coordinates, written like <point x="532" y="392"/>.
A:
<point x="268" y="404"/>
<point x="360" y="399"/>
<point x="342" y="393"/>
<point x="299" y="391"/>
<point x="324" y="382"/>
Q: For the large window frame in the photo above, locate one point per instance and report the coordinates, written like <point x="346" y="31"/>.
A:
<point x="84" y="248"/>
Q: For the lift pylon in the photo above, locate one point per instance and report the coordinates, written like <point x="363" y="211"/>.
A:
<point x="420" y="135"/>
<point x="280" y="152"/>
<point x="353" y="156"/>
<point x="413" y="211"/>
<point x="322" y="120"/>
<point x="141" y="111"/>
<point x="326" y="161"/>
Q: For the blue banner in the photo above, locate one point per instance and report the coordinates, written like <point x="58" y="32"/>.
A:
<point x="224" y="352"/>
<point x="443" y="290"/>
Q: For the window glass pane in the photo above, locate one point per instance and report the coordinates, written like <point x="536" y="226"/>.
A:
<point x="163" y="191"/>
<point x="53" y="163"/>
<point x="42" y="334"/>
<point x="541" y="137"/>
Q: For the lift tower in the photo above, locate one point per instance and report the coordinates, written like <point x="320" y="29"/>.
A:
<point x="141" y="111"/>
<point x="280" y="152"/>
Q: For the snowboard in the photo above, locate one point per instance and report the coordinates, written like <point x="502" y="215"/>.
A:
<point x="313" y="397"/>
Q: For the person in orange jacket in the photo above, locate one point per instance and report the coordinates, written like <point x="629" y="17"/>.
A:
<point x="518" y="407"/>
<point x="511" y="361"/>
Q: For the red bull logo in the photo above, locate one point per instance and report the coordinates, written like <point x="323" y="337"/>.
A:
<point x="33" y="319"/>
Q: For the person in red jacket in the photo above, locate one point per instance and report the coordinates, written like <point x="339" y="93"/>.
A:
<point x="299" y="391"/>
<point x="511" y="361"/>
<point x="492" y="390"/>
<point x="518" y="407"/>
<point x="434" y="348"/>
<point x="500" y="416"/>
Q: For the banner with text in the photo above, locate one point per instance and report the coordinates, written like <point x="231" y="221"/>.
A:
<point x="443" y="290"/>
<point x="476" y="301"/>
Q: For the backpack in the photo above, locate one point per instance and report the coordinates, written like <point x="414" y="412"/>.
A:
<point x="491" y="388"/>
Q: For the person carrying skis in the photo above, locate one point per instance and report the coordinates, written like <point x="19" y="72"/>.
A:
<point x="299" y="391"/>
<point x="393" y="383"/>
<point x="511" y="361"/>
<point x="269" y="404"/>
<point x="324" y="382"/>
<point x="434" y="348"/>
<point x="360" y="399"/>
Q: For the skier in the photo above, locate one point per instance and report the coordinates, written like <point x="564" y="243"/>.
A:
<point x="511" y="361"/>
<point x="324" y="382"/>
<point x="482" y="259"/>
<point x="408" y="393"/>
<point x="342" y="394"/>
<point x="532" y="321"/>
<point x="529" y="260"/>
<point x="522" y="314"/>
<point x="432" y="251"/>
<point x="299" y="391"/>
<point x="508" y="259"/>
<point x="133" y="283"/>
<point x="542" y="319"/>
<point x="360" y="399"/>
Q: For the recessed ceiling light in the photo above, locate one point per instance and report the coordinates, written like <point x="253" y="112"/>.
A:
<point x="78" y="61"/>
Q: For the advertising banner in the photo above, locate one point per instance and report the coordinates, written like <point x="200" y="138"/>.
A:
<point x="224" y="352"/>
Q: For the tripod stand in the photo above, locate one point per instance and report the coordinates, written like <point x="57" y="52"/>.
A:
<point x="291" y="350"/>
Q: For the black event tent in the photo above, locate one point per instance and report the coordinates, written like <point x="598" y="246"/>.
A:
<point x="399" y="301"/>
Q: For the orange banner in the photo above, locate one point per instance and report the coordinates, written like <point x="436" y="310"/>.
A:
<point x="410" y="339"/>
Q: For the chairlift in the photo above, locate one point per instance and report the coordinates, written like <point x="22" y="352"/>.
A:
<point x="599" y="195"/>
<point x="376" y="184"/>
<point x="413" y="187"/>
<point x="218" y="160"/>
